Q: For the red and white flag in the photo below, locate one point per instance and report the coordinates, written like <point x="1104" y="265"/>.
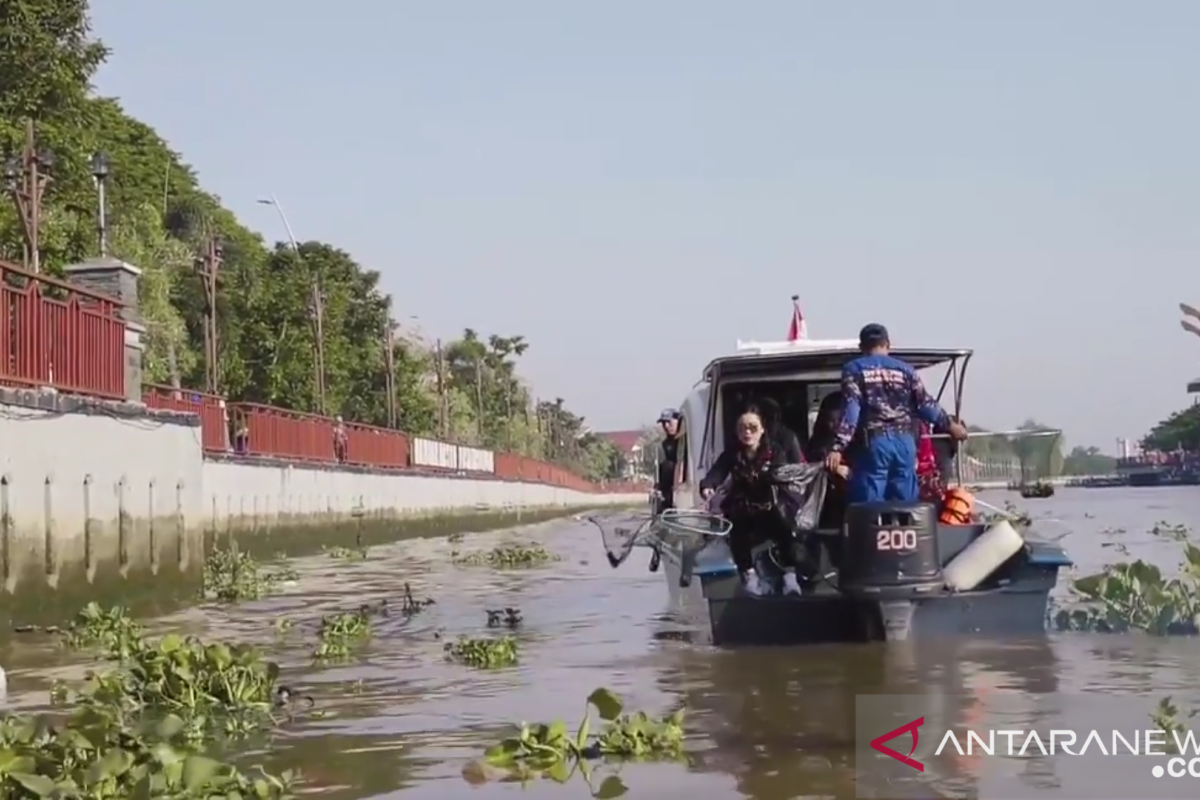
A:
<point x="799" y="328"/>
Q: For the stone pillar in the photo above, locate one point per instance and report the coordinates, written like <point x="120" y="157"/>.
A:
<point x="119" y="280"/>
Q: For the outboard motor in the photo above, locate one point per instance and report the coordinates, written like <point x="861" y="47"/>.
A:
<point x="890" y="550"/>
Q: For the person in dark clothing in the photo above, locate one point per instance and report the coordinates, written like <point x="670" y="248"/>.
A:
<point x="782" y="436"/>
<point x="820" y="443"/>
<point x="668" y="457"/>
<point x="751" y="502"/>
<point x="884" y="398"/>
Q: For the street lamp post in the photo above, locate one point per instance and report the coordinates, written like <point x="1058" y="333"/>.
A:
<point x="100" y="173"/>
<point x="26" y="177"/>
<point x="316" y="305"/>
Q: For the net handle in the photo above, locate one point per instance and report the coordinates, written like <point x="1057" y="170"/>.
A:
<point x="673" y="518"/>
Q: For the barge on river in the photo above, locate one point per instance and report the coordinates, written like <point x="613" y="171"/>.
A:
<point x="892" y="571"/>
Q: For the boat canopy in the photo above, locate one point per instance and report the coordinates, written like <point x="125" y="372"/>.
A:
<point x="815" y="355"/>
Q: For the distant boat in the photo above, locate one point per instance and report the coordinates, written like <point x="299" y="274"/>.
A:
<point x="1038" y="490"/>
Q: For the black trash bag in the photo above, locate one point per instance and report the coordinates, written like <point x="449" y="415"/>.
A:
<point x="800" y="493"/>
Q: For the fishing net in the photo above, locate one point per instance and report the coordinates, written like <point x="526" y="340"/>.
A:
<point x="687" y="531"/>
<point x="621" y="533"/>
<point x="991" y="459"/>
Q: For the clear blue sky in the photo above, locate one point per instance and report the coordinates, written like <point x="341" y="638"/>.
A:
<point x="636" y="185"/>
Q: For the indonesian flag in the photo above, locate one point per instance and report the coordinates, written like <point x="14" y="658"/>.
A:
<point x="799" y="328"/>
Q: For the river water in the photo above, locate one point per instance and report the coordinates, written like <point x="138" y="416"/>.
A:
<point x="769" y="724"/>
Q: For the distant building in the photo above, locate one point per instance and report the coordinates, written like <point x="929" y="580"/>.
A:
<point x="629" y="444"/>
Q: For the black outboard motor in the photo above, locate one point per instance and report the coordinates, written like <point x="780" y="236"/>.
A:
<point x="890" y="550"/>
<point x="890" y="556"/>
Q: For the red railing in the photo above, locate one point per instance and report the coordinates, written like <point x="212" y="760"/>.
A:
<point x="259" y="430"/>
<point x="209" y="407"/>
<point x="55" y="334"/>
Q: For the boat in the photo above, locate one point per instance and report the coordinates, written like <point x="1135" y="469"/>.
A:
<point x="1038" y="490"/>
<point x="891" y="572"/>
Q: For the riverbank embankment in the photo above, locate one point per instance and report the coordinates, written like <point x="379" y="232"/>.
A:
<point x="101" y="498"/>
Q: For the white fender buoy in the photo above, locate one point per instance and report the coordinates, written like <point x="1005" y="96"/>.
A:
<point x="982" y="557"/>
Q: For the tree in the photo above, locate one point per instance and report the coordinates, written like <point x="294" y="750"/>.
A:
<point x="141" y="239"/>
<point x="1181" y="430"/>
<point x="1088" y="461"/>
<point x="161" y="220"/>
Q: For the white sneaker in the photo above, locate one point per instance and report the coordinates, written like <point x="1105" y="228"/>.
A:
<point x="790" y="584"/>
<point x="752" y="585"/>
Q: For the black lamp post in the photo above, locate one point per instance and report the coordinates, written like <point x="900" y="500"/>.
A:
<point x="100" y="173"/>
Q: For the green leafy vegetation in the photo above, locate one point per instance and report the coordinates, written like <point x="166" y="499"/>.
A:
<point x="111" y="630"/>
<point x="1168" y="717"/>
<point x="346" y="553"/>
<point x="233" y="575"/>
<point x="468" y="390"/>
<point x="341" y="633"/>
<point x="514" y="556"/>
<point x="1138" y="596"/>
<point x="483" y="653"/>
<point x="1088" y="461"/>
<point x="1181" y="430"/>
<point x="553" y="751"/>
<point x="140" y="727"/>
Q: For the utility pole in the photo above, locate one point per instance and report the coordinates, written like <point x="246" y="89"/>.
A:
<point x="443" y="409"/>
<point x="389" y="362"/>
<point x="209" y="267"/>
<point x="317" y="310"/>
<point x="479" y="400"/>
<point x="26" y="178"/>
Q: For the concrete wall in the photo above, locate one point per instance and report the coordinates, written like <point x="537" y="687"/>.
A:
<point x="93" y="491"/>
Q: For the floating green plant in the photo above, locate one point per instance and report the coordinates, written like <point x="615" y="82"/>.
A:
<point x="504" y="617"/>
<point x="346" y="553"/>
<point x="483" y="653"/>
<point x="95" y="755"/>
<point x="1166" y="717"/>
<point x="137" y="729"/>
<point x="112" y="631"/>
<point x="340" y="634"/>
<point x="214" y="687"/>
<point x="515" y="556"/>
<point x="552" y="751"/>
<point x="233" y="575"/>
<point x="1137" y="596"/>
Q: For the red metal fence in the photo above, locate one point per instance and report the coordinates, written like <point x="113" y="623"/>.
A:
<point x="55" y="334"/>
<point x="209" y="407"/>
<point x="264" y="431"/>
<point x="259" y="430"/>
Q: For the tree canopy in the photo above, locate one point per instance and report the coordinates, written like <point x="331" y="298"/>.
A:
<point x="1181" y="430"/>
<point x="468" y="390"/>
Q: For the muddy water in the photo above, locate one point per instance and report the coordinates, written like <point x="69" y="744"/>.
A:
<point x="766" y="724"/>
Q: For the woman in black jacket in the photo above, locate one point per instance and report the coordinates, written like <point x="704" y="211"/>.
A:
<point x="751" y="501"/>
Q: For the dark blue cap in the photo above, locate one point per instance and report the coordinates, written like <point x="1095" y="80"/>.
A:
<point x="668" y="414"/>
<point x="872" y="335"/>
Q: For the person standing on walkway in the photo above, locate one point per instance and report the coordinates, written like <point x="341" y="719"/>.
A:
<point x="884" y="397"/>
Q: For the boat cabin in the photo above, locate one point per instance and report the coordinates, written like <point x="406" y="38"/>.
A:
<point x="796" y="376"/>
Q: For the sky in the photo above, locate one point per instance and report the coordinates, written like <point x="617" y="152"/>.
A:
<point x="635" y="186"/>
